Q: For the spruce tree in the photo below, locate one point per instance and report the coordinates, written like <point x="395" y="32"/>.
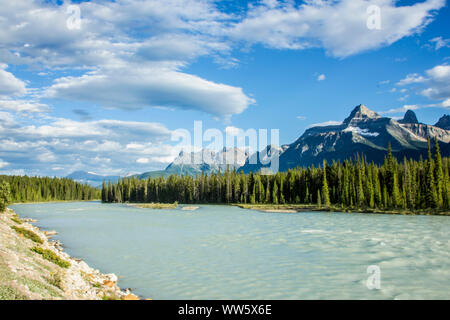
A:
<point x="325" y="192"/>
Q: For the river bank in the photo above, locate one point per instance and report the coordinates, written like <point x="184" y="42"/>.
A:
<point x="34" y="267"/>
<point x="293" y="208"/>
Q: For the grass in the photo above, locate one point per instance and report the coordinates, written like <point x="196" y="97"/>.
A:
<point x="110" y="297"/>
<point x="28" y="234"/>
<point x="16" y="220"/>
<point x="51" y="256"/>
<point x="55" y="279"/>
<point x="158" y="205"/>
<point x="40" y="287"/>
<point x="9" y="293"/>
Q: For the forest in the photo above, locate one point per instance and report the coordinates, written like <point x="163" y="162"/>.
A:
<point x="355" y="183"/>
<point x="15" y="189"/>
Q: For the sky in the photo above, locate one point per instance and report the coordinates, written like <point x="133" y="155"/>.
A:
<point x="102" y="86"/>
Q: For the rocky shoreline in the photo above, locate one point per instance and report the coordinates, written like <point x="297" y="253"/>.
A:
<point x="27" y="274"/>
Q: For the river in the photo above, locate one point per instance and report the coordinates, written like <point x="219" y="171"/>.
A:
<point x="224" y="252"/>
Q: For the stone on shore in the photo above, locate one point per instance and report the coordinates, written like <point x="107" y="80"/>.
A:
<point x="130" y="297"/>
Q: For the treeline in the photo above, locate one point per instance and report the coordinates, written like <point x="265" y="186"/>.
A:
<point x="353" y="183"/>
<point x="35" y="189"/>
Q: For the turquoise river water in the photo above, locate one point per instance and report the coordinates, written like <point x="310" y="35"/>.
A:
<point x="223" y="252"/>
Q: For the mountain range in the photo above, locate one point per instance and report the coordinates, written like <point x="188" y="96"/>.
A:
<point x="364" y="132"/>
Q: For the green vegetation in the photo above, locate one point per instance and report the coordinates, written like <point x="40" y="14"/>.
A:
<point x="110" y="296"/>
<point x="37" y="189"/>
<point x="5" y="195"/>
<point x="350" y="185"/>
<point x="9" y="293"/>
<point x="28" y="234"/>
<point x="51" y="256"/>
<point x="158" y="205"/>
<point x="16" y="220"/>
<point x="55" y="279"/>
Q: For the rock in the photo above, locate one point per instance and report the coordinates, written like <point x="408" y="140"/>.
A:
<point x="410" y="117"/>
<point x="50" y="233"/>
<point x="108" y="283"/>
<point x="130" y="297"/>
<point x="112" y="277"/>
<point x="191" y="208"/>
<point x="444" y="122"/>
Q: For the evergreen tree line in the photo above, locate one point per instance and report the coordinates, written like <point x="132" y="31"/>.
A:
<point x="354" y="183"/>
<point x="34" y="189"/>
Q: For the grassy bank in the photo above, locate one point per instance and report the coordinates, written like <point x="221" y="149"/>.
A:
<point x="289" y="208"/>
<point x="33" y="267"/>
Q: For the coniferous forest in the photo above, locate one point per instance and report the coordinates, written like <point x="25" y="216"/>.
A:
<point x="34" y="189"/>
<point x="355" y="183"/>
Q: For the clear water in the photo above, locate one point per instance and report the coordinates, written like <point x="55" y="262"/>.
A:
<point x="220" y="252"/>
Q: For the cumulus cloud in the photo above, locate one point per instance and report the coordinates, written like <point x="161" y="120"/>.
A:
<point x="321" y="77"/>
<point x="411" y="78"/>
<point x="435" y="84"/>
<point x="23" y="106"/>
<point x="106" y="146"/>
<point x="438" y="85"/>
<point x="340" y="27"/>
<point x="9" y="84"/>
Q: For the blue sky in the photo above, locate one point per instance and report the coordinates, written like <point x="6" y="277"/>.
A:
<point x="105" y="95"/>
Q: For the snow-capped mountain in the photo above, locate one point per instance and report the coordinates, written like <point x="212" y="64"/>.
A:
<point x="364" y="132"/>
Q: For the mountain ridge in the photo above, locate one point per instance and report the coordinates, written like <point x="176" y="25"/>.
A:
<point x="363" y="132"/>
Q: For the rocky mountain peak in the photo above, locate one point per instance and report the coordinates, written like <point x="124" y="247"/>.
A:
<point x="443" y="122"/>
<point x="410" y="117"/>
<point x="361" y="113"/>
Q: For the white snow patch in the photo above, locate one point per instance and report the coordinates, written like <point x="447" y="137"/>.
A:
<point x="362" y="132"/>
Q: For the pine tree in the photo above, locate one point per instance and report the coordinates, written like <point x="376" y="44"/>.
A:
<point x="439" y="173"/>
<point x="325" y="191"/>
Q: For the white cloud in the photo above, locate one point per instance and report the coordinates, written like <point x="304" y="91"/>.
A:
<point x="401" y="109"/>
<point x="233" y="131"/>
<point x="143" y="160"/>
<point x="301" y="117"/>
<point x="321" y="77"/>
<point x="340" y="27"/>
<point x="411" y="78"/>
<point x="326" y="123"/>
<point x="3" y="163"/>
<point x="439" y="43"/>
<point x="23" y="106"/>
<point x="137" y="86"/>
<point x="106" y="146"/>
<point x="9" y="84"/>
<point x="438" y="84"/>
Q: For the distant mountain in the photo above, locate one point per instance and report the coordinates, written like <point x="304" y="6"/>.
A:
<point x="91" y="178"/>
<point x="262" y="159"/>
<point x="443" y="122"/>
<point x="364" y="132"/>
<point x="207" y="161"/>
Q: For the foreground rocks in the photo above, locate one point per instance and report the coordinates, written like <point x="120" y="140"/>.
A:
<point x="25" y="274"/>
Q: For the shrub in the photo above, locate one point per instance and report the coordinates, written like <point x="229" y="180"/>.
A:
<point x="28" y="234"/>
<point x="55" y="279"/>
<point x="16" y="220"/>
<point x="5" y="195"/>
<point x="51" y="256"/>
